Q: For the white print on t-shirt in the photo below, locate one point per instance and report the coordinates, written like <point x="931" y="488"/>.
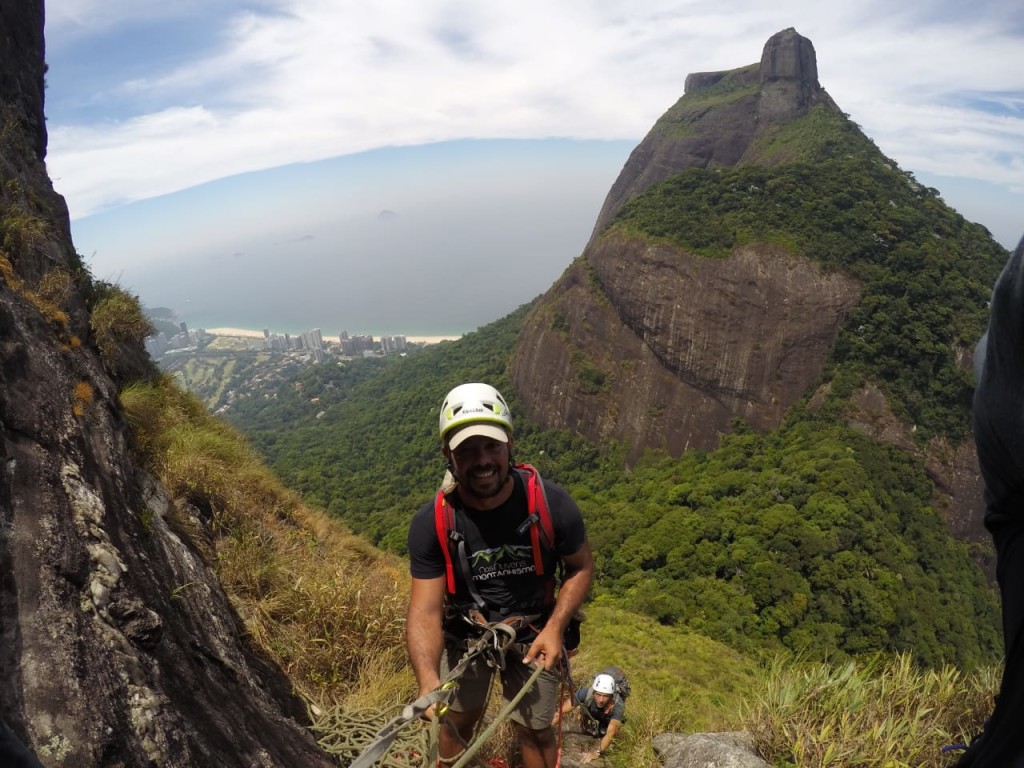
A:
<point x="507" y="560"/>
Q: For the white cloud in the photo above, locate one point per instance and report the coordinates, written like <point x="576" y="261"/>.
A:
<point x="309" y="79"/>
<point x="73" y="19"/>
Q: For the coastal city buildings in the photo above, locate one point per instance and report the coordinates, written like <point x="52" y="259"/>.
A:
<point x="309" y="344"/>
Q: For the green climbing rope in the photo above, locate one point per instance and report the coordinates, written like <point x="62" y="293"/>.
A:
<point x="473" y="748"/>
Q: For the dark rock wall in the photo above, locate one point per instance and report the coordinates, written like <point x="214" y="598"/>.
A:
<point x="118" y="646"/>
<point x="22" y="67"/>
<point x="685" y="344"/>
<point x="756" y="326"/>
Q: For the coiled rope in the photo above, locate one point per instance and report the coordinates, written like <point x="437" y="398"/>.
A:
<point x="356" y="739"/>
<point x="344" y="735"/>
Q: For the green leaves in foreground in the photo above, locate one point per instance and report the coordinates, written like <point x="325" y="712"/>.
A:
<point x="882" y="712"/>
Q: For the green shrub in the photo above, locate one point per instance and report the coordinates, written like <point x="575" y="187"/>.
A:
<point x="118" y="322"/>
<point x="879" y="712"/>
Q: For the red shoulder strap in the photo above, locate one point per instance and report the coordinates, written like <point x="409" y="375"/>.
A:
<point x="537" y="503"/>
<point x="443" y="526"/>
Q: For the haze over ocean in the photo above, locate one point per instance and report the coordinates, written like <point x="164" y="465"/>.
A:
<point x="434" y="240"/>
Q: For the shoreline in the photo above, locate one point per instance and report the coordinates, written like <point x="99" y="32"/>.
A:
<point x="248" y="333"/>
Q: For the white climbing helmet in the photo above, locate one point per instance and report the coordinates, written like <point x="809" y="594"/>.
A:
<point x="478" y="404"/>
<point x="604" y="684"/>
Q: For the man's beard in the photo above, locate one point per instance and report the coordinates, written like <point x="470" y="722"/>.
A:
<point x="489" y="487"/>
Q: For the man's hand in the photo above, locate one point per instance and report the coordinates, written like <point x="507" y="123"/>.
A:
<point x="546" y="648"/>
<point x="589" y="757"/>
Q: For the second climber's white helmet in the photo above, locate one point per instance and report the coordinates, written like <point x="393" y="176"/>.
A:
<point x="477" y="404"/>
<point x="604" y="684"/>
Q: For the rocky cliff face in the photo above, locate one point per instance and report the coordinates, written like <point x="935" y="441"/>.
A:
<point x="680" y="345"/>
<point x="676" y="346"/>
<point x="646" y="343"/>
<point x="119" y="646"/>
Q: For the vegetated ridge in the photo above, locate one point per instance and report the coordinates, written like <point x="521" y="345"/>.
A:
<point x="758" y="251"/>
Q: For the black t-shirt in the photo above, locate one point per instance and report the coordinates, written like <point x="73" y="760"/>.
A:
<point x="501" y="558"/>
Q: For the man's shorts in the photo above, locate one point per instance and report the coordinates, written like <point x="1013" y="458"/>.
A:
<point x="535" y="710"/>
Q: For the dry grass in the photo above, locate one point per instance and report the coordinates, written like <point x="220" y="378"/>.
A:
<point x="324" y="604"/>
<point x="81" y="398"/>
<point x="20" y="230"/>
<point x="43" y="302"/>
<point x="56" y="287"/>
<point x="118" y="322"/>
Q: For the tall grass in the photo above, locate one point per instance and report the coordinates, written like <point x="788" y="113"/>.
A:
<point x="680" y="681"/>
<point x="322" y="602"/>
<point x="882" y="712"/>
<point x="118" y="322"/>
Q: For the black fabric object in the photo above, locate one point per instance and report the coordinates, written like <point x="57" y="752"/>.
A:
<point x="14" y="754"/>
<point x="999" y="437"/>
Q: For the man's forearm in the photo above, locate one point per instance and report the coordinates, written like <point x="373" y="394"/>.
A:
<point x="424" y="643"/>
<point x="606" y="741"/>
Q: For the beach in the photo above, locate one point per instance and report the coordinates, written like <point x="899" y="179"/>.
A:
<point x="241" y="333"/>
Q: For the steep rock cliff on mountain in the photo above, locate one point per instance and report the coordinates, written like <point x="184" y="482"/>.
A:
<point x="654" y="341"/>
<point x="686" y="343"/>
<point x="120" y="647"/>
<point x="680" y="345"/>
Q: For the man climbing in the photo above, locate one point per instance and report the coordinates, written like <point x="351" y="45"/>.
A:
<point x="999" y="438"/>
<point x="487" y="550"/>
<point x="603" y="711"/>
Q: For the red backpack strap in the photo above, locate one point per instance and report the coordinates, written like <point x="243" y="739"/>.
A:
<point x="537" y="509"/>
<point x="443" y="525"/>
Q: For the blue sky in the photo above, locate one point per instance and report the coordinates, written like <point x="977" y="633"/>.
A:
<point x="189" y="134"/>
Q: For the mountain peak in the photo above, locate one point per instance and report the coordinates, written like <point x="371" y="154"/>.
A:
<point x="788" y="55"/>
<point x="720" y="117"/>
<point x="789" y="76"/>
